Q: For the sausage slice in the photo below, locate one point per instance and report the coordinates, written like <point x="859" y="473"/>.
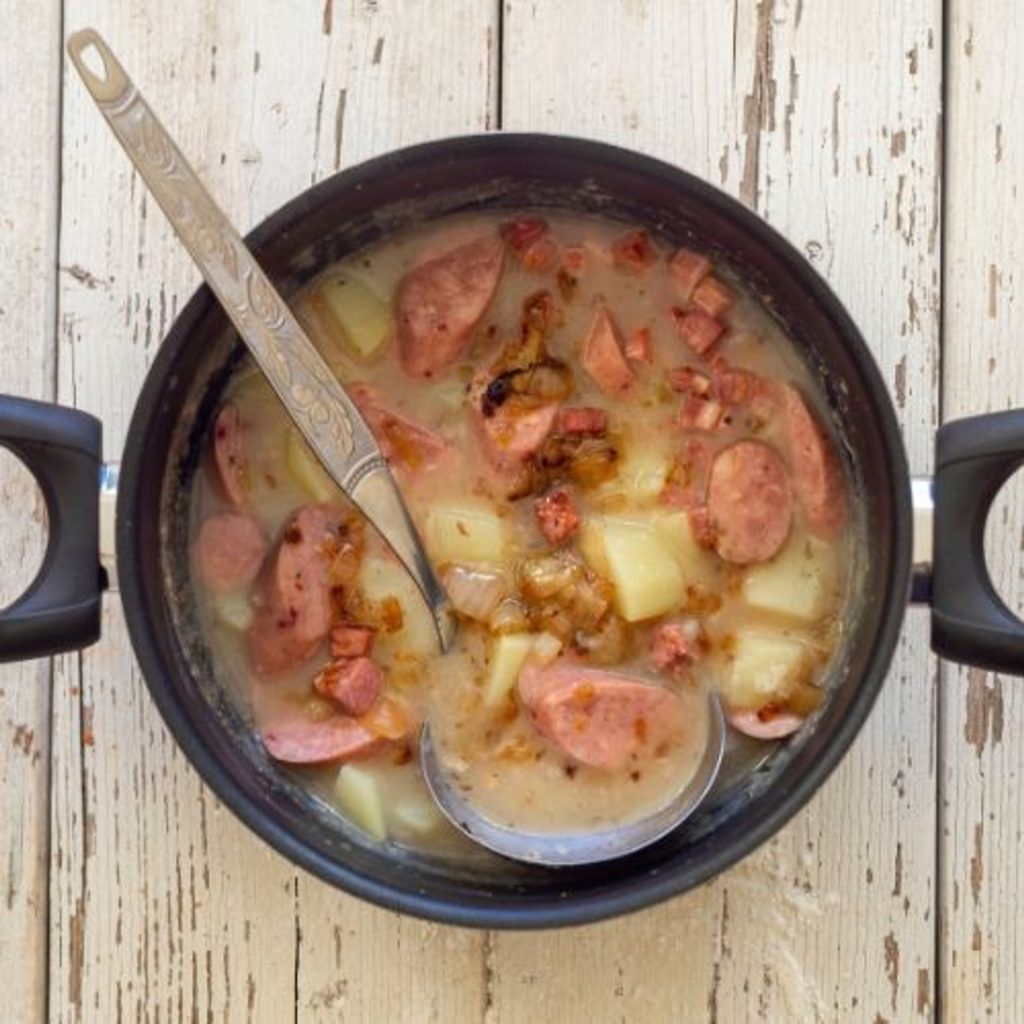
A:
<point x="229" y="453"/>
<point x="406" y="445"/>
<point x="598" y="718"/>
<point x="442" y="300"/>
<point x="294" y="609"/>
<point x="764" y="725"/>
<point x="335" y="739"/>
<point x="817" y="475"/>
<point x="229" y="551"/>
<point x="602" y="356"/>
<point x="749" y="502"/>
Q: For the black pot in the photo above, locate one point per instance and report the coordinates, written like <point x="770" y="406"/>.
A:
<point x="169" y="427"/>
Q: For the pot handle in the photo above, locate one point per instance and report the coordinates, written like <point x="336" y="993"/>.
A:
<point x="970" y="623"/>
<point x="62" y="448"/>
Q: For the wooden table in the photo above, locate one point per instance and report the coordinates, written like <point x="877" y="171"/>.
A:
<point x="885" y="138"/>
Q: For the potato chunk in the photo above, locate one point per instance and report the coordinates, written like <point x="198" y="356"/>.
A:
<point x="508" y="655"/>
<point x="467" y="532"/>
<point x="798" y="584"/>
<point x="697" y="564"/>
<point x="364" y="318"/>
<point x="766" y="666"/>
<point x="358" y="795"/>
<point x="381" y="578"/>
<point x="417" y="814"/>
<point x="305" y="468"/>
<point x="640" y="566"/>
<point x="233" y="609"/>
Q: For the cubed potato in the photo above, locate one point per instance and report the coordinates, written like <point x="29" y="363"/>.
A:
<point x="640" y="566"/>
<point x="417" y="814"/>
<point x="643" y="472"/>
<point x="381" y="577"/>
<point x="697" y="564"/>
<point x="509" y="652"/>
<point x="765" y="667"/>
<point x="305" y="468"/>
<point x="467" y="532"/>
<point x="233" y="609"/>
<point x="358" y="795"/>
<point x="590" y="541"/>
<point x="797" y="584"/>
<point x="364" y="318"/>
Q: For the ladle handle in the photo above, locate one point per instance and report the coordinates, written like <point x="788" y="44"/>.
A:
<point x="315" y="400"/>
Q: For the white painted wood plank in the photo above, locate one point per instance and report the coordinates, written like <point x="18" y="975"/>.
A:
<point x="983" y="713"/>
<point x="284" y="102"/>
<point x="407" y="71"/>
<point x="163" y="906"/>
<point x="825" y="117"/>
<point x="29" y="110"/>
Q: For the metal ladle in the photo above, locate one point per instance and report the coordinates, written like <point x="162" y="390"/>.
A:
<point x="314" y="399"/>
<point x="338" y="435"/>
<point x="574" y="848"/>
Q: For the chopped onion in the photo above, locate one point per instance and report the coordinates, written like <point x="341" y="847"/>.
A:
<point x="509" y="617"/>
<point x="474" y="593"/>
<point x="546" y="647"/>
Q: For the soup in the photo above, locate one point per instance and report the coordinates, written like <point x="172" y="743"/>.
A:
<point x="617" y="463"/>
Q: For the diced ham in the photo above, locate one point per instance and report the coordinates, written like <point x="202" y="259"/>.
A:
<point x="540" y="256"/>
<point x="389" y="719"/>
<point x="229" y="453"/>
<point x="406" y="445"/>
<point x="354" y="684"/>
<point x="351" y="640"/>
<point x="697" y="329"/>
<point x="686" y="270"/>
<point x="712" y="297"/>
<point x="768" y="723"/>
<point x="749" y="502"/>
<point x="521" y="233"/>
<point x="633" y="251"/>
<point x="293" y="607"/>
<point x="701" y="526"/>
<point x="583" y="420"/>
<point x="639" y="347"/>
<point x="672" y="646"/>
<point x="573" y="258"/>
<point x="736" y="387"/>
<point x="817" y="474"/>
<point x="688" y="381"/>
<point x="229" y="551"/>
<point x="599" y="718"/>
<point x="557" y="516"/>
<point x="335" y="739"/>
<point x="441" y="301"/>
<point x="602" y="357"/>
<point x="700" y="413"/>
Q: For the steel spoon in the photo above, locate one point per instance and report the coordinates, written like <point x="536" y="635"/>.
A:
<point x="311" y="394"/>
<point x="567" y="849"/>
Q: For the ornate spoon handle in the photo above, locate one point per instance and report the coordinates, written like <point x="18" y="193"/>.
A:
<point x="315" y="400"/>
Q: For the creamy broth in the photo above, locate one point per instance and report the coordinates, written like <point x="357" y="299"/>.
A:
<point x="636" y="591"/>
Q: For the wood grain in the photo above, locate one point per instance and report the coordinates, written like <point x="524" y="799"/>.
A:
<point x="408" y="71"/>
<point x="826" y="118"/>
<point x="29" y="179"/>
<point x="983" y="713"/>
<point x="829" y="128"/>
<point x="164" y="906"/>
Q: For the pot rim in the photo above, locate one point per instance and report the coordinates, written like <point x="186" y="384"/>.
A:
<point x="507" y="912"/>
